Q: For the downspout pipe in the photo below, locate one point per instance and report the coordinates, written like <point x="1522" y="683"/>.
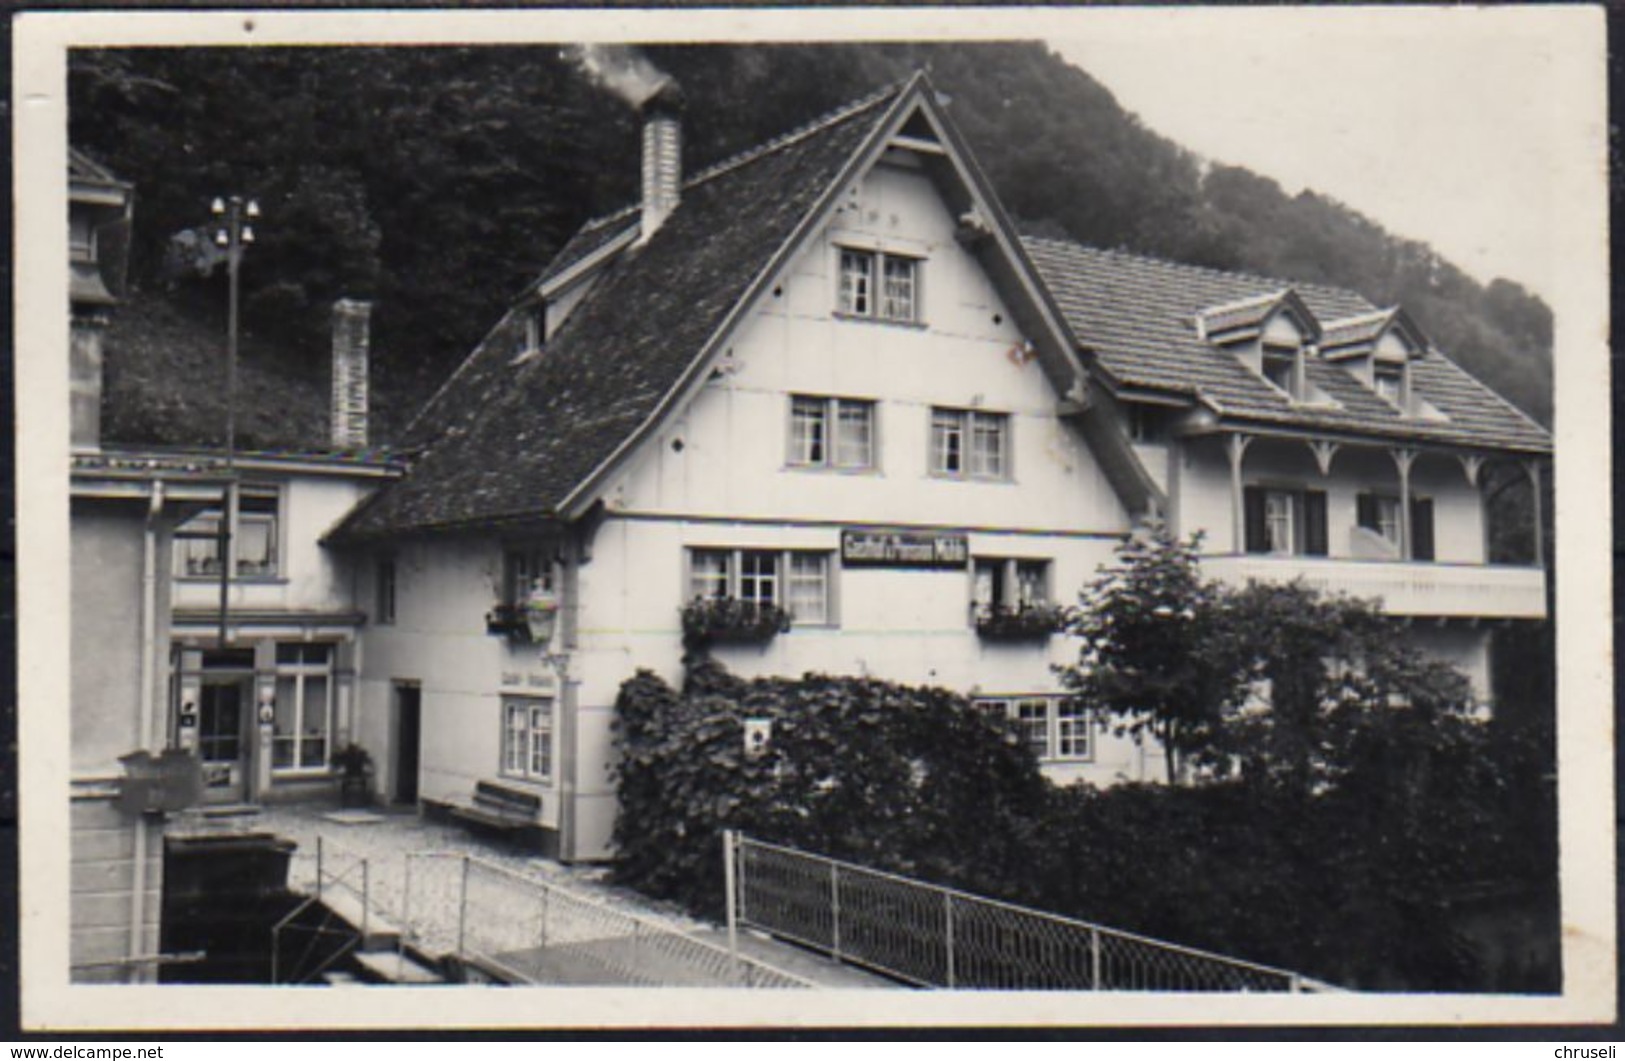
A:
<point x="144" y="735"/>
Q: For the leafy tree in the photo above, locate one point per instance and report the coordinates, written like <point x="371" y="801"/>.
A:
<point x="1325" y="673"/>
<point x="1156" y="653"/>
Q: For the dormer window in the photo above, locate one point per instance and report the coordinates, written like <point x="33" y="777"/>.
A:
<point x="528" y="336"/>
<point x="1388" y="380"/>
<point x="1280" y="367"/>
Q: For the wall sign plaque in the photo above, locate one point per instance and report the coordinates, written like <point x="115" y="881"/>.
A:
<point x="887" y="548"/>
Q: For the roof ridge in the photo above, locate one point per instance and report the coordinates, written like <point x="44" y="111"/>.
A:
<point x="1209" y="270"/>
<point x="758" y="151"/>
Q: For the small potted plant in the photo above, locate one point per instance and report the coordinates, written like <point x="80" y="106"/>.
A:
<point x="354" y="766"/>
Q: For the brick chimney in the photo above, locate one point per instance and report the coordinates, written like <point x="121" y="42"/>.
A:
<point x="662" y="156"/>
<point x="351" y="320"/>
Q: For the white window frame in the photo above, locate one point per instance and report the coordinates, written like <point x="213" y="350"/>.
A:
<point x="204" y="552"/>
<point x="1004" y="581"/>
<point x="869" y="293"/>
<point x="820" y="433"/>
<point x="526" y="748"/>
<point x="969" y="427"/>
<point x="784" y="576"/>
<point x="1061" y="733"/>
<point x="523" y="568"/>
<point x="1281" y="521"/>
<point x="299" y="674"/>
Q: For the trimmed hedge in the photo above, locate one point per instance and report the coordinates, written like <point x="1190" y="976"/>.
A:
<point x="912" y="779"/>
<point x="1368" y="883"/>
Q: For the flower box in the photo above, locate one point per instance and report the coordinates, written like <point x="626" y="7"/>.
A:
<point x="1030" y="622"/>
<point x="733" y="621"/>
<point x="508" y="620"/>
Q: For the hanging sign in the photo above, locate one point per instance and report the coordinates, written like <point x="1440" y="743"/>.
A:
<point x="888" y="548"/>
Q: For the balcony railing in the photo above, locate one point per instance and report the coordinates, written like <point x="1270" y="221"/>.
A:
<point x="1445" y="590"/>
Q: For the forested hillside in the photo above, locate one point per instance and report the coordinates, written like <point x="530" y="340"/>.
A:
<point x="439" y="180"/>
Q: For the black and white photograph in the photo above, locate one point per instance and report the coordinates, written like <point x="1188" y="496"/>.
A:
<point x="834" y="517"/>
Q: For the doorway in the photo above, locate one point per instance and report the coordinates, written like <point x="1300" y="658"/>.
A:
<point x="226" y="695"/>
<point x="408" y="740"/>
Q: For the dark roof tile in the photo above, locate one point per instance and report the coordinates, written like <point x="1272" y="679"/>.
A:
<point x="1138" y="316"/>
<point x="508" y="440"/>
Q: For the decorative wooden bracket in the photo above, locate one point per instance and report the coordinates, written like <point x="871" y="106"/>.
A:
<point x="1324" y="450"/>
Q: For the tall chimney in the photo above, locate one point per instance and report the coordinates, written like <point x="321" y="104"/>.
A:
<point x="662" y="156"/>
<point x="351" y="320"/>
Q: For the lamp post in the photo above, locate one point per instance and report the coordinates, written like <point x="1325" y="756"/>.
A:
<point x="234" y="230"/>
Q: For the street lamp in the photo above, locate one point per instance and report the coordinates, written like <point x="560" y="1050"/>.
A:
<point x="233" y="214"/>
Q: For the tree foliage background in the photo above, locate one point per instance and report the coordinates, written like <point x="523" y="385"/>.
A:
<point x="440" y="180"/>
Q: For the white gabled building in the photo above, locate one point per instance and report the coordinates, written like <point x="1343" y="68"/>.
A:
<point x="828" y="377"/>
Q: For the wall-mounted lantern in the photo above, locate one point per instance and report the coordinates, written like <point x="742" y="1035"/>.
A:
<point x="541" y="610"/>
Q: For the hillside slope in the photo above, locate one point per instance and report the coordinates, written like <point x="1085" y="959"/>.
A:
<point x="439" y="180"/>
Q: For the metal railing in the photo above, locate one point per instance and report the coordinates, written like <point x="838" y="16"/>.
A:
<point x="932" y="936"/>
<point x="525" y="930"/>
<point x="326" y="937"/>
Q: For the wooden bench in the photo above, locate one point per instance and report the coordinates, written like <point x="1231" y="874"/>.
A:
<point x="500" y="807"/>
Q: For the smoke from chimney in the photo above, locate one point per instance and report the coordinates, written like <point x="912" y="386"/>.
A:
<point x="620" y="69"/>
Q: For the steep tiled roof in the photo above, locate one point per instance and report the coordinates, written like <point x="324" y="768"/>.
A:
<point x="1138" y="315"/>
<point x="511" y="439"/>
<point x="163" y="385"/>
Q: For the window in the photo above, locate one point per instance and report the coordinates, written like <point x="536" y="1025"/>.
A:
<point x="1055" y="728"/>
<point x="1388" y="380"/>
<point x="1008" y="584"/>
<point x="528" y="334"/>
<point x="302" y="715"/>
<point x="968" y="444"/>
<point x="1285" y="521"/>
<point x="523" y="571"/>
<point x="832" y="432"/>
<point x="1280" y="366"/>
<point x="253" y="541"/>
<point x="897" y="276"/>
<point x="1380" y="513"/>
<point x="1146" y="425"/>
<point x="385" y="604"/>
<point x="527" y="738"/>
<point x="897" y="293"/>
<point x="857" y="283"/>
<point x="797" y="580"/>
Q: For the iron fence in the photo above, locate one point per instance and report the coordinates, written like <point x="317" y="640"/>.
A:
<point x="932" y="936"/>
<point x="530" y="931"/>
<point x="313" y="937"/>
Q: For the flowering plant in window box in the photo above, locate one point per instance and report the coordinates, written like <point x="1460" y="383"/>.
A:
<point x="1001" y="622"/>
<point x="725" y="619"/>
<point x="508" y="620"/>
